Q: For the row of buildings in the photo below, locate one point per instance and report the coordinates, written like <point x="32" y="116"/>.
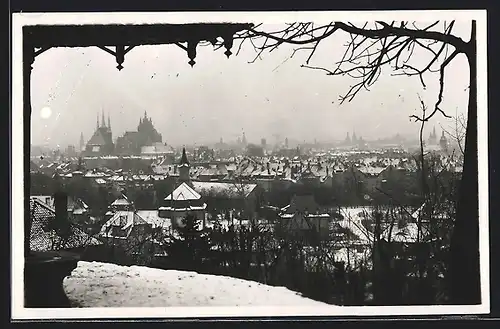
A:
<point x="216" y="196"/>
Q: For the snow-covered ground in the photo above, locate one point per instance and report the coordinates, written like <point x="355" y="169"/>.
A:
<point x="94" y="284"/>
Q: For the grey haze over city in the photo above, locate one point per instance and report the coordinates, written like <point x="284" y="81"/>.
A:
<point x="222" y="98"/>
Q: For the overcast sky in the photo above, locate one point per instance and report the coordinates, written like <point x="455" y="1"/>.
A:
<point x="222" y="97"/>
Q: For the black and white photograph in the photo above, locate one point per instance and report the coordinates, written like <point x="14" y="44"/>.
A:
<point x="235" y="164"/>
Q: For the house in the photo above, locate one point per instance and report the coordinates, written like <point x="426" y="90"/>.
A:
<point x="369" y="177"/>
<point x="127" y="226"/>
<point x="78" y="210"/>
<point x="229" y="196"/>
<point x="122" y="203"/>
<point x="192" y="197"/>
<point x="213" y="173"/>
<point x="183" y="201"/>
<point x="132" y="234"/>
<point x="303" y="216"/>
<point x="44" y="237"/>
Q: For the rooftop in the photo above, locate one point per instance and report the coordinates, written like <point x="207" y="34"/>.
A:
<point x="183" y="193"/>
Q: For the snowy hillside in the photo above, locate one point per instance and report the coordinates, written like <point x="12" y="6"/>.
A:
<point x="94" y="284"/>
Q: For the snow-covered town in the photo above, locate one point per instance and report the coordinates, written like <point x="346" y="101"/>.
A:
<point x="132" y="209"/>
<point x="228" y="183"/>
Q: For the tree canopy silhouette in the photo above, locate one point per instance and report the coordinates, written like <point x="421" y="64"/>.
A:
<point x="370" y="48"/>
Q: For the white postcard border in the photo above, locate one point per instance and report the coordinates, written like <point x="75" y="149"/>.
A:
<point x="17" y="190"/>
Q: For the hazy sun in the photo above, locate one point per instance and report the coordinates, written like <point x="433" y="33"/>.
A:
<point x="46" y="112"/>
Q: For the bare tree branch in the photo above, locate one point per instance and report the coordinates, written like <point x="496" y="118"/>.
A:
<point x="369" y="49"/>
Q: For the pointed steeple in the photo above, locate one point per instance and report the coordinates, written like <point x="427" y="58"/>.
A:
<point x="97" y="126"/>
<point x="109" y="122"/>
<point x="184" y="167"/>
<point x="434" y="135"/>
<point x="103" y="120"/>
<point x="184" y="159"/>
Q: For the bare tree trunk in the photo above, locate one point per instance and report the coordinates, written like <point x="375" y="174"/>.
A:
<point x="465" y="284"/>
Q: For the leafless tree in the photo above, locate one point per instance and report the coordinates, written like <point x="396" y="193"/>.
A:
<point x="457" y="132"/>
<point x="393" y="44"/>
<point x="426" y="252"/>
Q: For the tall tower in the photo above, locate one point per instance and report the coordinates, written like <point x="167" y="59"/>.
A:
<point x="82" y="142"/>
<point x="184" y="167"/>
<point x="348" y="139"/>
<point x="109" y="123"/>
<point x="103" y="120"/>
<point x="433" y="137"/>
<point x="97" y="126"/>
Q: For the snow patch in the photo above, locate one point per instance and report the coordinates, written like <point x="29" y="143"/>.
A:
<point x="94" y="284"/>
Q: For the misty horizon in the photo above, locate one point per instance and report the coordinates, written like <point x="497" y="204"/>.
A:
<point x="222" y="98"/>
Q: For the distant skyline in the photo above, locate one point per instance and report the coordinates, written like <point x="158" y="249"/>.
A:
<point x="222" y="97"/>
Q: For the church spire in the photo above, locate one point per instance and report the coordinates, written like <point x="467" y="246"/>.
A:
<point x="109" y="122"/>
<point x="184" y="167"/>
<point x="184" y="159"/>
<point x="103" y="120"/>
<point x="97" y="126"/>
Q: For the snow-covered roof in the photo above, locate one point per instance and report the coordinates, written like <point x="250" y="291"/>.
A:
<point x="44" y="239"/>
<point x="374" y="171"/>
<point x="121" y="202"/>
<point x="152" y="217"/>
<point x="183" y="193"/>
<point x="129" y="218"/>
<point x="186" y="208"/>
<point x="219" y="189"/>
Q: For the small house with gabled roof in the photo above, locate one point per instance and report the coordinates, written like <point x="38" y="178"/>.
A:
<point x="183" y="201"/>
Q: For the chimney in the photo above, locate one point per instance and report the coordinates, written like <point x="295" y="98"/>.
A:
<point x="61" y="208"/>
